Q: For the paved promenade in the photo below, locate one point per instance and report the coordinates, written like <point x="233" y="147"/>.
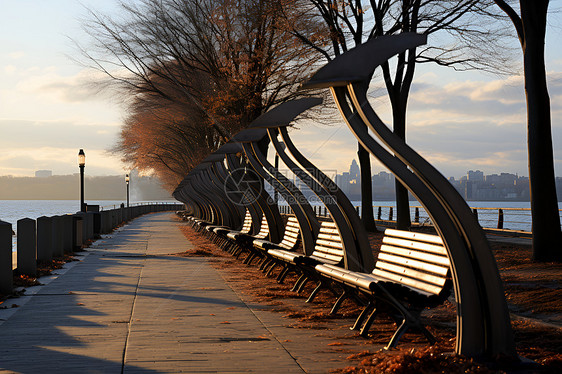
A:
<point x="127" y="306"/>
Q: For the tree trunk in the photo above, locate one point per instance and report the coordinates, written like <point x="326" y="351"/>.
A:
<point x="403" y="221"/>
<point x="547" y="234"/>
<point x="367" y="216"/>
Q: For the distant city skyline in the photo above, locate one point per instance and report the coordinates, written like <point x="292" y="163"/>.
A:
<point x="474" y="185"/>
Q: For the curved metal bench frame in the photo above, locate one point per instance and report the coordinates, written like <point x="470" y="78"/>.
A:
<point x="294" y="197"/>
<point x="483" y="323"/>
<point x="358" y="254"/>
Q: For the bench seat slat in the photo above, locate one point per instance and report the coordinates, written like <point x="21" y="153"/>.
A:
<point x="440" y="270"/>
<point x="411" y="273"/>
<point x="329" y="244"/>
<point x="292" y="234"/>
<point x="414" y="236"/>
<point x="287" y="243"/>
<point x="352" y="278"/>
<point x="286" y="256"/>
<point x="327" y="256"/>
<point x="334" y="238"/>
<point x="437" y="249"/>
<point x="417" y="285"/>
<point x="333" y="260"/>
<point x="333" y="251"/>
<point x="324" y="230"/>
<point x="441" y="260"/>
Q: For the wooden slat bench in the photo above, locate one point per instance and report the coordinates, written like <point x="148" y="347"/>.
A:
<point x="249" y="239"/>
<point x="222" y="232"/>
<point x="289" y="243"/>
<point x="327" y="250"/>
<point x="243" y="239"/>
<point x="411" y="273"/>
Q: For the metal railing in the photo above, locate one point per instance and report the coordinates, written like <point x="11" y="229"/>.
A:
<point x="115" y="206"/>
<point x="508" y="220"/>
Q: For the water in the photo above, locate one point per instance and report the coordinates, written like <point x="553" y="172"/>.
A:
<point x="517" y="214"/>
<point x="13" y="210"/>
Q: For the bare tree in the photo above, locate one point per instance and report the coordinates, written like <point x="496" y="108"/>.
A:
<point x="229" y="61"/>
<point x="530" y="26"/>
<point x="466" y="43"/>
<point x="168" y="135"/>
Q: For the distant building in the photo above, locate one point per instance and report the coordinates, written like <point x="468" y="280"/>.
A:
<point x="354" y="171"/>
<point x="43" y="173"/>
<point x="494" y="187"/>
<point x="475" y="176"/>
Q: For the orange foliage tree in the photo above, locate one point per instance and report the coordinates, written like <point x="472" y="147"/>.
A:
<point x="192" y="74"/>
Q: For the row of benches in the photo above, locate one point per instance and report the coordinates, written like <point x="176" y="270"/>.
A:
<point x="411" y="272"/>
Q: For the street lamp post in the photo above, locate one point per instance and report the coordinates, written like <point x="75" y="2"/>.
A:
<point x="81" y="164"/>
<point x="275" y="196"/>
<point x="127" y="181"/>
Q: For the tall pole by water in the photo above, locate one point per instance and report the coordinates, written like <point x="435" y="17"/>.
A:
<point x="127" y="181"/>
<point x="81" y="164"/>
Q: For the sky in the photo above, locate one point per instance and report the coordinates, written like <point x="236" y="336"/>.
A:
<point x="459" y="121"/>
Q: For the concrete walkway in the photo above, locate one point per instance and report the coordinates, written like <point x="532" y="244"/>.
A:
<point x="129" y="307"/>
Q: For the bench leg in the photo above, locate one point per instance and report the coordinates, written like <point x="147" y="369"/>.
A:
<point x="283" y="274"/>
<point x="315" y="292"/>
<point x="249" y="258"/>
<point x="359" y="321"/>
<point x="271" y="268"/>
<point x="298" y="282"/>
<point x="264" y="264"/>
<point x="364" y="332"/>
<point x="398" y="334"/>
<point x="303" y="283"/>
<point x="340" y="301"/>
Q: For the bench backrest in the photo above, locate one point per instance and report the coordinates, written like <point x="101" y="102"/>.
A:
<point x="328" y="244"/>
<point x="291" y="235"/>
<point x="247" y="225"/>
<point x="264" y="229"/>
<point x="415" y="260"/>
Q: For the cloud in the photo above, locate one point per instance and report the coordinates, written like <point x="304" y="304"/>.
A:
<point x="10" y="69"/>
<point x="62" y="161"/>
<point x="22" y="133"/>
<point x="16" y="55"/>
<point x="70" y="89"/>
<point x="26" y="146"/>
<point x="457" y="127"/>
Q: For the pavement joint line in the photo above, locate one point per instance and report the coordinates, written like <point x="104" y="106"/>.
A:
<point x="261" y="322"/>
<point x="129" y="323"/>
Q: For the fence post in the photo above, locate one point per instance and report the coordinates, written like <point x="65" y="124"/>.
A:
<point x="390" y="214"/>
<point x="500" y="218"/>
<point x="57" y="236"/>
<point x="44" y="238"/>
<point x="68" y="245"/>
<point x="379" y="213"/>
<point x="6" y="275"/>
<point x="417" y="215"/>
<point x="77" y="235"/>
<point x="27" y="247"/>
<point x="475" y="212"/>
